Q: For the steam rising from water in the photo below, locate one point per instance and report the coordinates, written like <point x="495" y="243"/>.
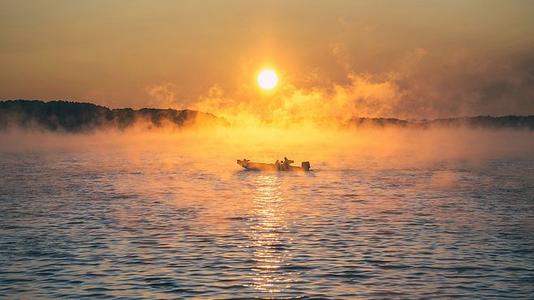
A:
<point x="326" y="148"/>
<point x="454" y="84"/>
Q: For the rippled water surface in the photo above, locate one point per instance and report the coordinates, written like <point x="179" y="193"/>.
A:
<point x="159" y="224"/>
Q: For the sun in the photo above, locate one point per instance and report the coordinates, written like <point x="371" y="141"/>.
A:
<point x="267" y="79"/>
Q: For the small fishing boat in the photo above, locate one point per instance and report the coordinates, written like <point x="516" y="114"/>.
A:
<point x="256" y="166"/>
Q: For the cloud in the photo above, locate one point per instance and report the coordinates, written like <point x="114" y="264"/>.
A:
<point x="363" y="95"/>
<point x="419" y="84"/>
<point x="453" y="82"/>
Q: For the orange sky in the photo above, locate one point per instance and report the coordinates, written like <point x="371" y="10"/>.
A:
<point x="372" y="58"/>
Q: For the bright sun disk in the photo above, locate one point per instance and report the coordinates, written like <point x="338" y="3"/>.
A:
<point x="267" y="79"/>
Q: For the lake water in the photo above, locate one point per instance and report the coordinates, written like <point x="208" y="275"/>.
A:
<point x="149" y="221"/>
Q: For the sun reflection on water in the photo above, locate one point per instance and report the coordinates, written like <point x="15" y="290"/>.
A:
<point x="269" y="236"/>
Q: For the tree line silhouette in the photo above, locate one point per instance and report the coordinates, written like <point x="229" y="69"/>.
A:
<point x="81" y="117"/>
<point x="75" y="117"/>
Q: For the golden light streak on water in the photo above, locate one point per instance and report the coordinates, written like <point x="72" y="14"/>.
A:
<point x="267" y="230"/>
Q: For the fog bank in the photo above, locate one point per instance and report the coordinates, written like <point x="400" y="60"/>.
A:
<point x="326" y="148"/>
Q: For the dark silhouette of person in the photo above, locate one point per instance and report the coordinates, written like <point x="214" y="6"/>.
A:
<point x="286" y="163"/>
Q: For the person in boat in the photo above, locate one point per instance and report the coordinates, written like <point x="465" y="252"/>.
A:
<point x="286" y="163"/>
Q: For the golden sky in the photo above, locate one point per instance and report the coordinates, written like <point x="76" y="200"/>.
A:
<point x="375" y="58"/>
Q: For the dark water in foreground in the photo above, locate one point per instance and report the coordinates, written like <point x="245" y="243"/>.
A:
<point x="156" y="225"/>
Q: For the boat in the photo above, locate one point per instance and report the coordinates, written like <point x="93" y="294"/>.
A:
<point x="257" y="166"/>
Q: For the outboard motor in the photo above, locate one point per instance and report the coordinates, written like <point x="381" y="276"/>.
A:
<point x="305" y="165"/>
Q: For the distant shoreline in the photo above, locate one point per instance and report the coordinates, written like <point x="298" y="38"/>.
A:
<point x="74" y="117"/>
<point x="77" y="117"/>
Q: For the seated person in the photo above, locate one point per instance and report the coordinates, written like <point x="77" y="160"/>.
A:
<point x="286" y="163"/>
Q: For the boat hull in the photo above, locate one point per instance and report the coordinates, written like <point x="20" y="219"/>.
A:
<point x="255" y="166"/>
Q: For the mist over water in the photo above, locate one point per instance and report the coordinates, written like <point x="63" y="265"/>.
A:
<point x="328" y="146"/>
<point x="166" y="214"/>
